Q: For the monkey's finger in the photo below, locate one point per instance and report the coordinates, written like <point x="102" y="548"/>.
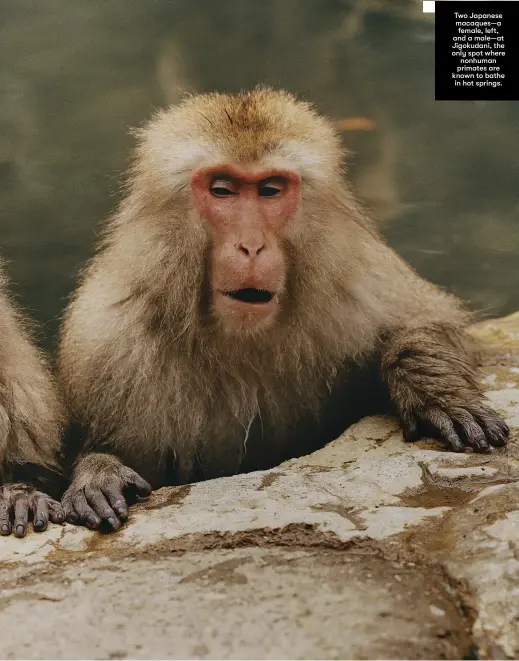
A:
<point x="5" y="516"/>
<point x="444" y="426"/>
<point x="68" y="508"/>
<point x="504" y="427"/>
<point x="40" y="513"/>
<point x="496" y="435"/>
<point x="56" y="512"/>
<point x="99" y="504"/>
<point x="116" y="499"/>
<point x="21" y="509"/>
<point x="143" y="488"/>
<point x="85" y="513"/>
<point x="496" y="430"/>
<point x="470" y="431"/>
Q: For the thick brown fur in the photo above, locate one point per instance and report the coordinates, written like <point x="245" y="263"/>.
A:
<point x="31" y="424"/>
<point x="156" y="379"/>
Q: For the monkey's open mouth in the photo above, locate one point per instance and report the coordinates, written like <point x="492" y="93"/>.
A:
<point x="250" y="295"/>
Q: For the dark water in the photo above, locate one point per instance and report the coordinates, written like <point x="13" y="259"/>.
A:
<point x="441" y="176"/>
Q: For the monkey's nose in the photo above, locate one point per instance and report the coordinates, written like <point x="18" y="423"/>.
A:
<point x="251" y="249"/>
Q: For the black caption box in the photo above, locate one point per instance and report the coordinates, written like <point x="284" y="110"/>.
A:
<point x="477" y="50"/>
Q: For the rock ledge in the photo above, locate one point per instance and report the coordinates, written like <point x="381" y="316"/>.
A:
<point x="368" y="548"/>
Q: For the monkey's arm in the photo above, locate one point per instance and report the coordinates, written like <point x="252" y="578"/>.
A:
<point x="433" y="386"/>
<point x="30" y="428"/>
<point x="100" y="488"/>
<point x="103" y="387"/>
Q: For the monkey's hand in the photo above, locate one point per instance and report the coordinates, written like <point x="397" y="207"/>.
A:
<point x="433" y="386"/>
<point x="99" y="492"/>
<point x="21" y="502"/>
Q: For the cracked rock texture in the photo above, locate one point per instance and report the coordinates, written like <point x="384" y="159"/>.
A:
<point x="369" y="548"/>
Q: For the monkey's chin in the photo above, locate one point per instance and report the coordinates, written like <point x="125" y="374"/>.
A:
<point x="238" y="316"/>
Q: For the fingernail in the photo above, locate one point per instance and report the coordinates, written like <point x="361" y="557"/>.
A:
<point x="6" y="529"/>
<point x="111" y="520"/>
<point x="20" y="530"/>
<point x="38" y="524"/>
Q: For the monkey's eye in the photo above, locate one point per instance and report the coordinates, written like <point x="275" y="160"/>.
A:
<point x="270" y="187"/>
<point x="222" y="188"/>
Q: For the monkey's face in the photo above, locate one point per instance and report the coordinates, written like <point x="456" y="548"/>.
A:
<point x="221" y="177"/>
<point x="247" y="210"/>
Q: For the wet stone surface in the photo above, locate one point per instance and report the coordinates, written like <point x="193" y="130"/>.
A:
<point x="368" y="548"/>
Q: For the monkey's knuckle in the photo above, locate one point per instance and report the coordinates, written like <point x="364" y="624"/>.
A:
<point x="128" y="476"/>
<point x="468" y="422"/>
<point x="91" y="491"/>
<point x="21" y="500"/>
<point x="492" y="418"/>
<point x="5" y="502"/>
<point x="494" y="424"/>
<point x="69" y="506"/>
<point x="106" y="480"/>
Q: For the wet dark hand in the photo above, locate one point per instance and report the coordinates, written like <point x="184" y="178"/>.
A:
<point x="435" y="392"/>
<point x="101" y="499"/>
<point x="474" y="425"/>
<point x="20" y="503"/>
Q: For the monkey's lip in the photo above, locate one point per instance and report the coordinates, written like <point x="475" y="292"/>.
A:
<point x="250" y="296"/>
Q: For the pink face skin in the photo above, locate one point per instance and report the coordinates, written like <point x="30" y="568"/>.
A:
<point x="247" y="211"/>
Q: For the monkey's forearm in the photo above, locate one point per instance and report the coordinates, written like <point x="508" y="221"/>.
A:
<point x="30" y="442"/>
<point x="31" y="418"/>
<point x="101" y="484"/>
<point x="428" y="362"/>
<point x="93" y="464"/>
<point x="432" y="381"/>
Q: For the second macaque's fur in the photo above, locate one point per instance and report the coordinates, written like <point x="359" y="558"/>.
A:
<point x="162" y="385"/>
<point x="31" y="423"/>
<point x="31" y="415"/>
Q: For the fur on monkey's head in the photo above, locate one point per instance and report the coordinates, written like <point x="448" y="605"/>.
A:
<point x="263" y="125"/>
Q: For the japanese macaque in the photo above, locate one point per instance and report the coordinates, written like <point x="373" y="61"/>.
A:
<point x="31" y="423"/>
<point x="241" y="310"/>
